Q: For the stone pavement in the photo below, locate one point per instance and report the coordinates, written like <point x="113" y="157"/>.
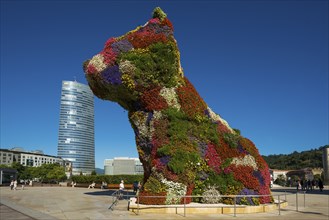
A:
<point x="82" y="203"/>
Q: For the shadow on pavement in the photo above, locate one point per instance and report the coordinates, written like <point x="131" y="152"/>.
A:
<point x="126" y="194"/>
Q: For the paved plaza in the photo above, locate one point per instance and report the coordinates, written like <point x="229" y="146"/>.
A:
<point x="82" y="203"/>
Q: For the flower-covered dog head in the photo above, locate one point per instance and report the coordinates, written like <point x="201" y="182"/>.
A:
<point x="140" y="60"/>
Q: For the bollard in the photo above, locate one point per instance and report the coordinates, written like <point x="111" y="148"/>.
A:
<point x="138" y="205"/>
<point x="184" y="206"/>
<point x="234" y="206"/>
<point x="297" y="201"/>
<point x="279" y="204"/>
<point x="304" y="198"/>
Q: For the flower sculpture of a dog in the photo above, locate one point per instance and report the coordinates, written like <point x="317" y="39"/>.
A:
<point x="185" y="148"/>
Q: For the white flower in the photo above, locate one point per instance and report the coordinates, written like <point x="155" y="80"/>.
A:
<point x="126" y="67"/>
<point x="174" y="189"/>
<point x="169" y="94"/>
<point x="248" y="160"/>
<point x="139" y="119"/>
<point x="216" y="117"/>
<point x="98" y="62"/>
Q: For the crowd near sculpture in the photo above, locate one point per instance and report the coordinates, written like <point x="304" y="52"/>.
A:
<point x="185" y="148"/>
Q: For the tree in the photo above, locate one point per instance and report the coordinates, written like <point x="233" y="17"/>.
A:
<point x="281" y="180"/>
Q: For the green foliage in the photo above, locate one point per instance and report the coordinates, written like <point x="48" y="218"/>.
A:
<point x="180" y="160"/>
<point x="156" y="66"/>
<point x="311" y="158"/>
<point x="223" y="182"/>
<point x="181" y="127"/>
<point x="49" y="172"/>
<point x="45" y="173"/>
<point x="158" y="13"/>
<point x="232" y="139"/>
<point x="281" y="180"/>
<point x="231" y="190"/>
<point x="93" y="173"/>
<point x="154" y="185"/>
<point x="112" y="179"/>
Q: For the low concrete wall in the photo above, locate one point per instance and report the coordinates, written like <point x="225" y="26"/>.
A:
<point x="198" y="208"/>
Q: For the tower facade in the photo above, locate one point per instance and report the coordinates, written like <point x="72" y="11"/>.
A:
<point x="76" y="127"/>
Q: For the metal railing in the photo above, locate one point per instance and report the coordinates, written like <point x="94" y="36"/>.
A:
<point x="235" y="206"/>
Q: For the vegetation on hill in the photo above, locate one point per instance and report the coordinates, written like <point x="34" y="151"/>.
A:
<point x="294" y="161"/>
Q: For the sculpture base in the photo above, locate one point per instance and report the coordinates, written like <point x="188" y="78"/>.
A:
<point x="198" y="208"/>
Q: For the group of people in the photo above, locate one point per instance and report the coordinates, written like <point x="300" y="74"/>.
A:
<point x="13" y="185"/>
<point x="309" y="185"/>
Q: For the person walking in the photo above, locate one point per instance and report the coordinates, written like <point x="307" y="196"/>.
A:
<point x="320" y="184"/>
<point x="15" y="184"/>
<point x="121" y="188"/>
<point x="12" y="185"/>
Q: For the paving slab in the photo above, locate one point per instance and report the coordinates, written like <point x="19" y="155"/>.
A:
<point x="82" y="203"/>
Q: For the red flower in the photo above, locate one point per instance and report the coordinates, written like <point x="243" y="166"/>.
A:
<point x="152" y="101"/>
<point x="109" y="42"/>
<point x="244" y="174"/>
<point x="191" y="102"/>
<point x="145" y="38"/>
<point x="213" y="159"/>
<point x="167" y="22"/>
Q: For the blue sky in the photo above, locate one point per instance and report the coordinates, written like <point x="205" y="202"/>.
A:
<point x="261" y="65"/>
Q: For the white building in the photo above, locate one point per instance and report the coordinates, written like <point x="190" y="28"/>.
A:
<point x="123" y="165"/>
<point x="32" y="159"/>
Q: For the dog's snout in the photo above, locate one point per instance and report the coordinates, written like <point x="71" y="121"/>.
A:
<point x="85" y="65"/>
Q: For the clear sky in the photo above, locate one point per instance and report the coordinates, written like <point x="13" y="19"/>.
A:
<point x="261" y="65"/>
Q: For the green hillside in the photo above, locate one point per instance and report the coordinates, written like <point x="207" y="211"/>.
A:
<point x="311" y="158"/>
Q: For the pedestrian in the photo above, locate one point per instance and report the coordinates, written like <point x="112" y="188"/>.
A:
<point x="320" y="183"/>
<point x="135" y="186"/>
<point x="121" y="188"/>
<point x="92" y="185"/>
<point x="15" y="184"/>
<point x="12" y="185"/>
<point x="298" y="186"/>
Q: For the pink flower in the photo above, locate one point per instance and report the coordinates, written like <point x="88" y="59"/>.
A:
<point x="154" y="21"/>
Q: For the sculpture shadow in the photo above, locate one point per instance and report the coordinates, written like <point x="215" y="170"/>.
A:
<point x="126" y="194"/>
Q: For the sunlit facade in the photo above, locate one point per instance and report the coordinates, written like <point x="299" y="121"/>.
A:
<point x="123" y="165"/>
<point x="76" y="127"/>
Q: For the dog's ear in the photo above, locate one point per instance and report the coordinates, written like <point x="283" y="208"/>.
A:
<point x="158" y="13"/>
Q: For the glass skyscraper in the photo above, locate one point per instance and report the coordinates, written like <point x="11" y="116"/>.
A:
<point x="76" y="127"/>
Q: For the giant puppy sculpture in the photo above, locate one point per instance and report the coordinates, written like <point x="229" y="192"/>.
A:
<point x="185" y="148"/>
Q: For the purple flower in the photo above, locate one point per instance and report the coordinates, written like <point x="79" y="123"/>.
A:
<point x="203" y="175"/>
<point x="241" y="150"/>
<point x="149" y="118"/>
<point x="112" y="75"/>
<point x="203" y="147"/>
<point x="259" y="176"/>
<point x="246" y="191"/>
<point x="165" y="160"/>
<point x="157" y="29"/>
<point x="122" y="46"/>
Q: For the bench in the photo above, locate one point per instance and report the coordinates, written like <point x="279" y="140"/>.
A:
<point x="116" y="186"/>
<point x="98" y="185"/>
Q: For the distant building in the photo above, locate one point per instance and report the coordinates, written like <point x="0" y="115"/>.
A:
<point x="76" y="127"/>
<point x="31" y="159"/>
<point x="123" y="165"/>
<point x="277" y="173"/>
<point x="7" y="175"/>
<point x="325" y="159"/>
<point x="303" y="174"/>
